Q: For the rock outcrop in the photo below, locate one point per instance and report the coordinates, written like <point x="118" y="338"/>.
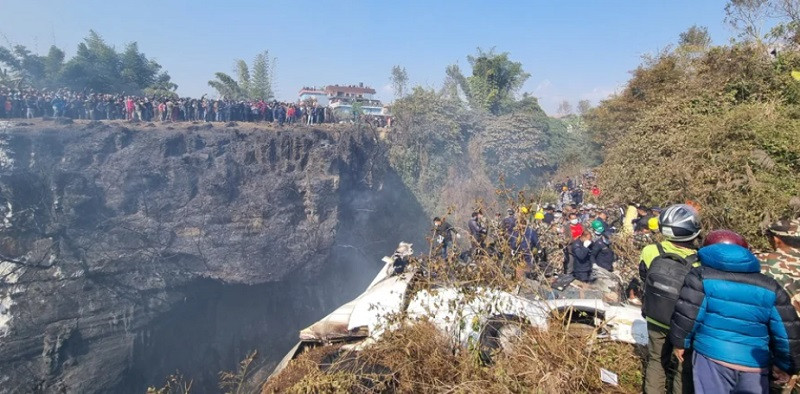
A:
<point x="118" y="243"/>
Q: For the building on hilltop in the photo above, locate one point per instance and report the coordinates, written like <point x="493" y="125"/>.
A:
<point x="351" y="91"/>
<point x="342" y="98"/>
<point x="315" y="94"/>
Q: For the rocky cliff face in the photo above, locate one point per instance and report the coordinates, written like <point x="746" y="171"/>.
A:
<point x="128" y="253"/>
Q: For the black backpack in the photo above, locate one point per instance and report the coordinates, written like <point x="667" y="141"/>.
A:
<point x="663" y="284"/>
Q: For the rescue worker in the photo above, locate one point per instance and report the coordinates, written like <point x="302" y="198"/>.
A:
<point x="549" y="216"/>
<point x="524" y="241"/>
<point x="579" y="257"/>
<point x="784" y="263"/>
<point x="551" y="246"/>
<point x="443" y="235"/>
<point x="509" y="222"/>
<point x="643" y="216"/>
<point x="738" y="321"/>
<point x="602" y="254"/>
<point x="662" y="269"/>
<point x="565" y="199"/>
<point x="647" y="236"/>
<point x="602" y="216"/>
<point x="477" y="231"/>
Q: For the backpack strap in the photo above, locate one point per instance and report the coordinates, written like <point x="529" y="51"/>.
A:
<point x="688" y="260"/>
<point x="660" y="248"/>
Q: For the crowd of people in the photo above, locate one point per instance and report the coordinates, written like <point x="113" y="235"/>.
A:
<point x="32" y="103"/>
<point x="720" y="318"/>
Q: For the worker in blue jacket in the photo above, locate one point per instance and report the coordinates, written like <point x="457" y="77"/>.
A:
<point x="739" y="322"/>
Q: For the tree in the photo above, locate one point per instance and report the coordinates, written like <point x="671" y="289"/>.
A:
<point x="748" y="17"/>
<point x="584" y="106"/>
<point x="564" y="108"/>
<point x="226" y="86"/>
<point x="494" y="81"/>
<point x="243" y="76"/>
<point x="96" y="65"/>
<point x="261" y="84"/>
<point x="53" y="64"/>
<point x="695" y="39"/>
<point x="162" y="87"/>
<point x="399" y="80"/>
<point x="136" y="70"/>
<point x="694" y="133"/>
<point x="455" y="80"/>
<point x="23" y="66"/>
<point x="788" y="13"/>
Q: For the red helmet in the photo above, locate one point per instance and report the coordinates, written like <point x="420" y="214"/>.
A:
<point x="725" y="237"/>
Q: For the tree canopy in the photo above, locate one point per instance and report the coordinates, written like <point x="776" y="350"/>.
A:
<point x="96" y="66"/>
<point x="454" y="146"/>
<point x="719" y="129"/>
<point x="255" y="86"/>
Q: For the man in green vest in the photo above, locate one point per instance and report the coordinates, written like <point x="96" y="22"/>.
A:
<point x="662" y="268"/>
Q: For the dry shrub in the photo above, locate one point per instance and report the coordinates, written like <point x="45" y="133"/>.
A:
<point x="719" y="129"/>
<point x="423" y="360"/>
<point x="304" y="365"/>
<point x="563" y="359"/>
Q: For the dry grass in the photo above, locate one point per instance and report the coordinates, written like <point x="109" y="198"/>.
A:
<point x="423" y="360"/>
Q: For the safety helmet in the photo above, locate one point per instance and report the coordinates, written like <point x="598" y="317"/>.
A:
<point x="539" y="215"/>
<point x="652" y="224"/>
<point x="598" y="227"/>
<point x="564" y="188"/>
<point x="524" y="210"/>
<point x="679" y="223"/>
<point x="725" y="237"/>
<point x="576" y="230"/>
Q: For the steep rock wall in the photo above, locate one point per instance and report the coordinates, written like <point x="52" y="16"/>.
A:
<point x="108" y="231"/>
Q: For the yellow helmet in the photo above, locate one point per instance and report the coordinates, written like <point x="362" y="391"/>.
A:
<point x="523" y="210"/>
<point x="539" y="215"/>
<point x="652" y="224"/>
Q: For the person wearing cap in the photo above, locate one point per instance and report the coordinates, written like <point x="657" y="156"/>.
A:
<point x="524" y="242"/>
<point x="510" y="222"/>
<point x="783" y="263"/>
<point x="565" y="198"/>
<point x="602" y="255"/>
<point x="643" y="216"/>
<point x="549" y="211"/>
<point x="578" y="257"/>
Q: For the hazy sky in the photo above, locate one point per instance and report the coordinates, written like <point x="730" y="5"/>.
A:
<point x="573" y="49"/>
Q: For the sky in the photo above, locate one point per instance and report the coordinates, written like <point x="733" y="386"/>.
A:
<point x="573" y="49"/>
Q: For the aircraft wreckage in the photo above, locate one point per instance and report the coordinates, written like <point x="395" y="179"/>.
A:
<point x="491" y="318"/>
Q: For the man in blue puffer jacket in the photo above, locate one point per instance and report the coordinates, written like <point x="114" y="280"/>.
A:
<point x="738" y="321"/>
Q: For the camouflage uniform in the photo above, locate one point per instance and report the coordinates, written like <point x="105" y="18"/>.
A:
<point x="784" y="265"/>
<point x="550" y="242"/>
<point x="640" y="240"/>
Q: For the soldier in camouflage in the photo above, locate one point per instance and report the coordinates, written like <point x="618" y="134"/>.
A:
<point x="784" y="263"/>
